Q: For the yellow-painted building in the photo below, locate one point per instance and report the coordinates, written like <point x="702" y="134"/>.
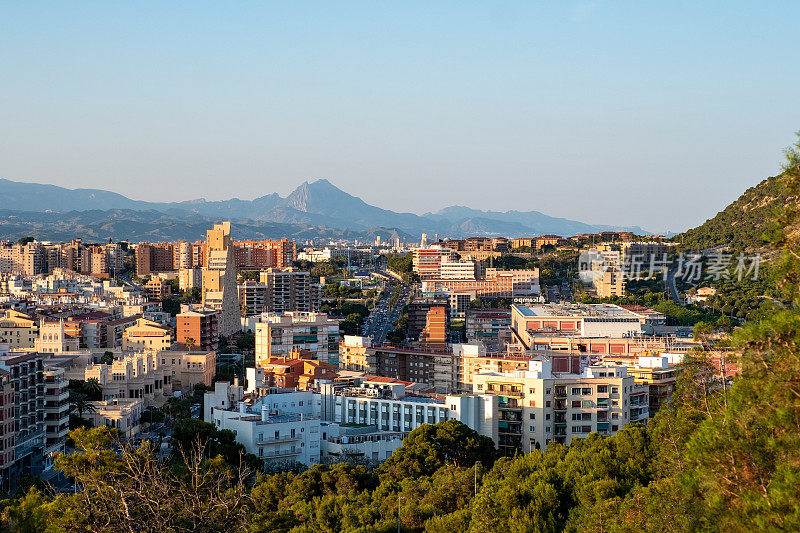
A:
<point x="147" y="335"/>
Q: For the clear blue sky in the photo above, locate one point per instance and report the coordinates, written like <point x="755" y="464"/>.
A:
<point x="649" y="113"/>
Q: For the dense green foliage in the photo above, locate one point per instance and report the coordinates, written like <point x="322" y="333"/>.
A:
<point x="400" y="264"/>
<point x="745" y="223"/>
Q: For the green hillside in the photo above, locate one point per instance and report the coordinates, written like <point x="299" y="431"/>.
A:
<point x="743" y="224"/>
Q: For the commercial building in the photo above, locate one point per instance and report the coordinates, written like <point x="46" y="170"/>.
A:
<point x="152" y="258"/>
<point x="458" y="269"/>
<point x="587" y="320"/>
<point x="427" y="262"/>
<point x="278" y="335"/>
<point x="497" y="284"/>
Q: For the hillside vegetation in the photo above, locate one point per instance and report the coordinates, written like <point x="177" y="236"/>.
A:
<point x="745" y="224"/>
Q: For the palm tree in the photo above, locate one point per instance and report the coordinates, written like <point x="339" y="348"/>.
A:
<point x="93" y="389"/>
<point x="80" y="403"/>
<point x="190" y="343"/>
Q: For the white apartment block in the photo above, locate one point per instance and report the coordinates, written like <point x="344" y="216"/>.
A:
<point x="454" y="269"/>
<point x="367" y="422"/>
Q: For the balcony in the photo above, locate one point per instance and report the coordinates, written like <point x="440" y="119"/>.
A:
<point x="273" y="440"/>
<point x="272" y="454"/>
<point x="560" y="405"/>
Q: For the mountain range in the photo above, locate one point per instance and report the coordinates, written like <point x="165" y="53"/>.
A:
<point x="315" y="209"/>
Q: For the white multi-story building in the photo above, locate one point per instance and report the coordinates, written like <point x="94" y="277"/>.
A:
<point x="278" y="334"/>
<point x="458" y="269"/>
<point x="539" y="406"/>
<point x="368" y="422"/>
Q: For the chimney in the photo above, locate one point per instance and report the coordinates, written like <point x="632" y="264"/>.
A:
<point x="264" y="412"/>
<point x="242" y="407"/>
<point x="236" y="381"/>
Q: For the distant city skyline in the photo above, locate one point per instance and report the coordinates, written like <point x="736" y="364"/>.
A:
<point x="615" y="113"/>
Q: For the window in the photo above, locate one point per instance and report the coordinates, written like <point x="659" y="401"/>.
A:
<point x="547" y="416"/>
<point x="602" y="389"/>
<point x="532" y="428"/>
<point x="547" y="403"/>
<point x="576" y="403"/>
<point x="614" y="390"/>
<point x="532" y="416"/>
<point x="576" y="391"/>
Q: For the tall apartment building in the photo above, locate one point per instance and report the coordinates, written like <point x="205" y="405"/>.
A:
<point x="56" y="412"/>
<point x="189" y="278"/>
<point x="255" y="255"/>
<point x="197" y="328"/>
<point x="279" y="335"/>
<point x="26" y="374"/>
<point x="220" y="279"/>
<point x="7" y="430"/>
<point x="418" y="313"/>
<point x="26" y="259"/>
<point x="434" y="334"/>
<point x="289" y="289"/>
<point x="154" y="257"/>
<point x="539" y="406"/>
<point x="252" y="297"/>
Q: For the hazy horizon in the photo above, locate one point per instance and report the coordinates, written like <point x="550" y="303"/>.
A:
<point x="608" y="113"/>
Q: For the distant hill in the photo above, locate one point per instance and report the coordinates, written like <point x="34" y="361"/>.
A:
<point x="742" y="224"/>
<point x="312" y="204"/>
<point x="137" y="226"/>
